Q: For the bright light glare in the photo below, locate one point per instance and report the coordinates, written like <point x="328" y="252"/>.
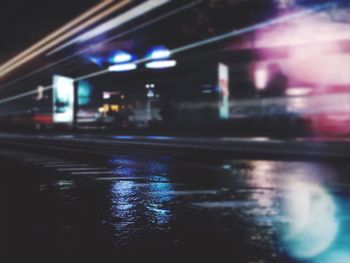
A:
<point x="160" y="54"/>
<point x="261" y="76"/>
<point x="150" y="94"/>
<point x="106" y="95"/>
<point x="315" y="46"/>
<point x="121" y="57"/>
<point x="161" y="64"/>
<point x="313" y="224"/>
<point x="123" y="67"/>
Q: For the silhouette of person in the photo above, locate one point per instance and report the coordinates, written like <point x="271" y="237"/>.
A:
<point x="278" y="83"/>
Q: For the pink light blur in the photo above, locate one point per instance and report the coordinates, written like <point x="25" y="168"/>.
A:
<point x="261" y="78"/>
<point x="314" y="46"/>
<point x="298" y="91"/>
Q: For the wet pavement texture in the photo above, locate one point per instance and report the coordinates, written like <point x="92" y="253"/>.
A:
<point x="128" y="207"/>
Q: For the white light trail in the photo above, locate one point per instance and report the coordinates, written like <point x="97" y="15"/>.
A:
<point x="122" y="34"/>
<point x="56" y="33"/>
<point x="113" y="23"/>
<point x="200" y="43"/>
<point x="5" y="70"/>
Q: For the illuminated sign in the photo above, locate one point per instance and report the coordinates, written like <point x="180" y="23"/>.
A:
<point x="84" y="93"/>
<point x="224" y="103"/>
<point x="63" y="99"/>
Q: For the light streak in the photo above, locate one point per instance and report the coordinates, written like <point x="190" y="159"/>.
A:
<point x="25" y="94"/>
<point x="254" y="27"/>
<point x="272" y="22"/>
<point x="148" y="23"/>
<point x="57" y="32"/>
<point x="112" y="9"/>
<point x="113" y="23"/>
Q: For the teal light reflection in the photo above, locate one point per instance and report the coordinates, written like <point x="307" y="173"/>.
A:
<point x="313" y="224"/>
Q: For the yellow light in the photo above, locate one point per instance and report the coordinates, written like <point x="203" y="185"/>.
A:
<point x="115" y="108"/>
<point x="106" y="107"/>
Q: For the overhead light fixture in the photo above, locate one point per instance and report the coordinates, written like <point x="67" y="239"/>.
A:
<point x="121" y="57"/>
<point x="159" y="53"/>
<point x="122" y="67"/>
<point x="161" y="64"/>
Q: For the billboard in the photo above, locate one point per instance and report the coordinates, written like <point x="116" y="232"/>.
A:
<point x="63" y="99"/>
<point x="84" y="91"/>
<point x="224" y="104"/>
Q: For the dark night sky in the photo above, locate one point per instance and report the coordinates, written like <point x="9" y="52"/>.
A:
<point x="23" y="22"/>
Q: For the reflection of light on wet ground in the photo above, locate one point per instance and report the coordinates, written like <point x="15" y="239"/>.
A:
<point x="139" y="207"/>
<point x="313" y="224"/>
<point x="262" y="174"/>
<point x="310" y="210"/>
<point x="318" y="227"/>
<point x="160" y="168"/>
<point x="122" y="199"/>
<point x="158" y="196"/>
<point x="337" y="256"/>
<point x="293" y="202"/>
<point x="159" y="191"/>
<point x="125" y="166"/>
<point x="123" y="161"/>
<point x="64" y="184"/>
<point x="133" y="201"/>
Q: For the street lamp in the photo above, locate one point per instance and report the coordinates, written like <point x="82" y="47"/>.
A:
<point x="122" y="62"/>
<point x="160" y="59"/>
<point x="122" y="67"/>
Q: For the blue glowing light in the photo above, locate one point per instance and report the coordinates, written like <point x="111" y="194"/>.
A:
<point x="121" y="57"/>
<point x="159" y="53"/>
<point x="97" y="61"/>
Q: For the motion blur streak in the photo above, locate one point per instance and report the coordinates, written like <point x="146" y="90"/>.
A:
<point x="143" y="25"/>
<point x="205" y="42"/>
<point x="234" y="33"/>
<point x="56" y="33"/>
<point x="25" y="94"/>
<point x="65" y="36"/>
<point x="248" y="29"/>
<point x="113" y="23"/>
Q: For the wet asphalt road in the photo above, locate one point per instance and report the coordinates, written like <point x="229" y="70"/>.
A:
<point x="69" y="203"/>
